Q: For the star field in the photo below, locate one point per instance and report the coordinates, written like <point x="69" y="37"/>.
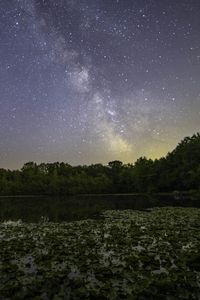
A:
<point x="86" y="81"/>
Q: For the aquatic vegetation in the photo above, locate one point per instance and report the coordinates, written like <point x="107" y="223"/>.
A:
<point x="128" y="254"/>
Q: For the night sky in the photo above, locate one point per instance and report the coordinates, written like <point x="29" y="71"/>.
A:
<point x="90" y="81"/>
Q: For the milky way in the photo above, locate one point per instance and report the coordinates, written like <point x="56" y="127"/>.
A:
<point x="85" y="81"/>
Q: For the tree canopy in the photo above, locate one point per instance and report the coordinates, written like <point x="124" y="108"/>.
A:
<point x="179" y="170"/>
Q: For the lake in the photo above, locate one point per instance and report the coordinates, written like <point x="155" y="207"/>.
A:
<point x="125" y="252"/>
<point x="71" y="208"/>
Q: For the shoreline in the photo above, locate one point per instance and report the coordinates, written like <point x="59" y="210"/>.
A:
<point x="174" y="193"/>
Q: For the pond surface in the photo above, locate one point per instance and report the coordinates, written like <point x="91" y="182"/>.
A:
<point x="70" y="208"/>
<point x="126" y="254"/>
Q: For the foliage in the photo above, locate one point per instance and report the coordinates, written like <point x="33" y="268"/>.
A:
<point x="179" y="170"/>
<point x="124" y="255"/>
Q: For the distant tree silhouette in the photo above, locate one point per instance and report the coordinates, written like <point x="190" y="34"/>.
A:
<point x="179" y="170"/>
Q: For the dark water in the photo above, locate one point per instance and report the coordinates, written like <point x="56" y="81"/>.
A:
<point x="31" y="209"/>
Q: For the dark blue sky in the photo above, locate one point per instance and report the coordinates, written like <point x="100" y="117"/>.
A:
<point x="86" y="81"/>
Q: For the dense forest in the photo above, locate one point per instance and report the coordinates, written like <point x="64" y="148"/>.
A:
<point x="179" y="170"/>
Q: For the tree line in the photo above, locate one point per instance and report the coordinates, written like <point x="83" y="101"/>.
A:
<point x="179" y="170"/>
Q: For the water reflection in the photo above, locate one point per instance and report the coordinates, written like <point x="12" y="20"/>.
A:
<point x="31" y="209"/>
